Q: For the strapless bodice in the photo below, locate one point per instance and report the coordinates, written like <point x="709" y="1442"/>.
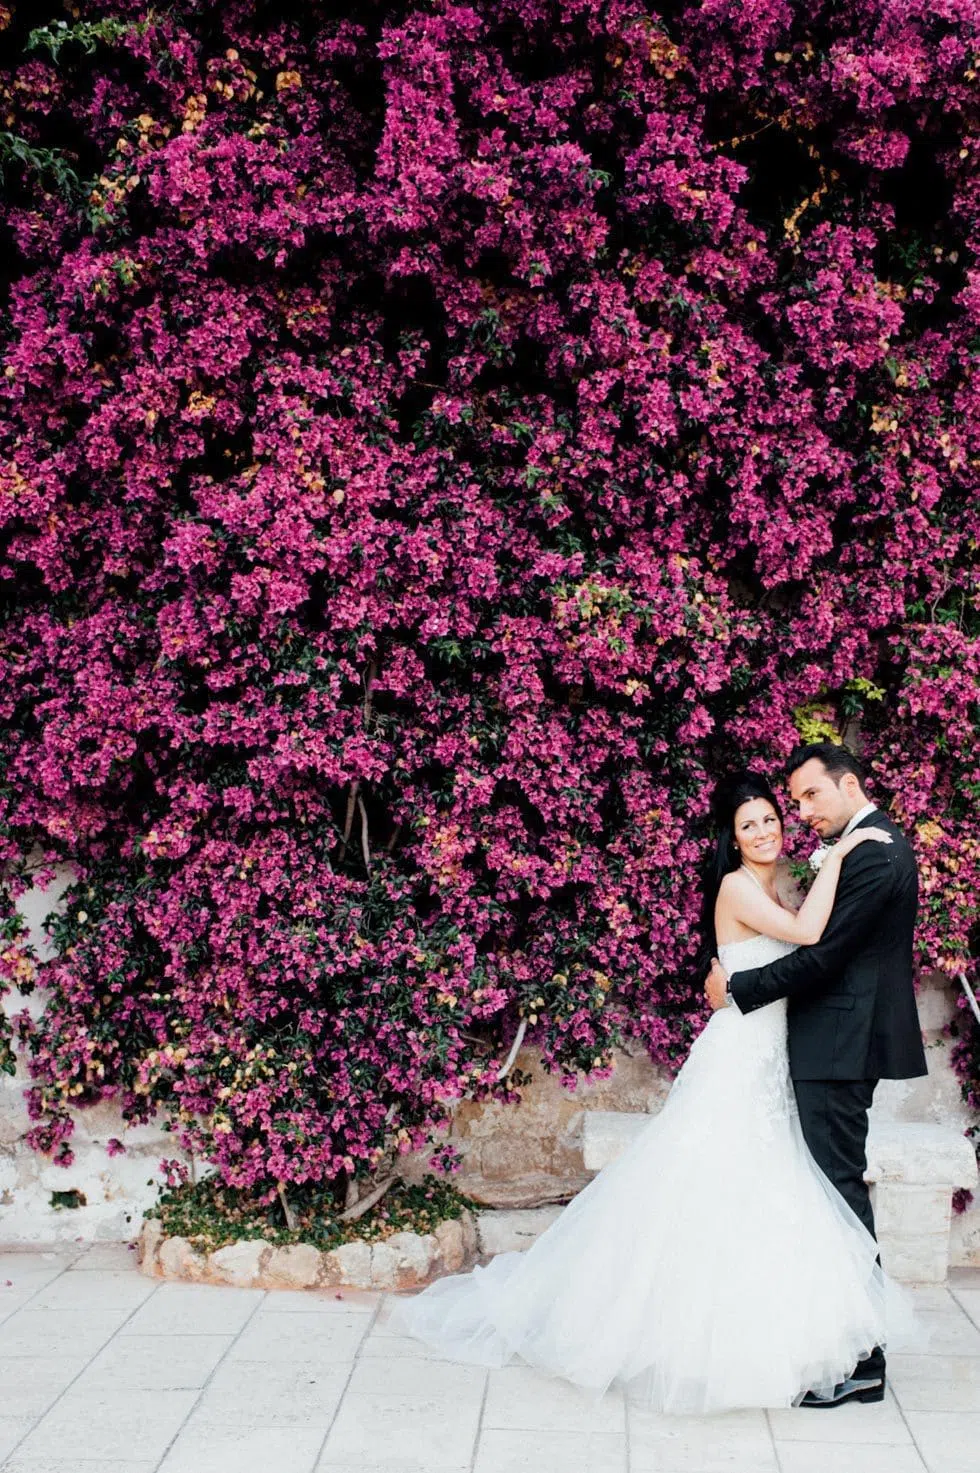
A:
<point x="753" y="951"/>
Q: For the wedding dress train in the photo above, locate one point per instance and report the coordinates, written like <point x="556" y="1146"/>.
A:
<point x="711" y="1266"/>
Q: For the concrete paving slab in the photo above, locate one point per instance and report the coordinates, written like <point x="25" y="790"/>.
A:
<point x="30" y="1383"/>
<point x="849" y="1457"/>
<point x="969" y="1302"/>
<point x="283" y="1394"/>
<point x="116" y="1289"/>
<point x="194" y="1309"/>
<point x="735" y="1442"/>
<point x="50" y="1332"/>
<point x="17" y="1464"/>
<point x="439" y="1435"/>
<point x="13" y="1429"/>
<point x="154" y="1363"/>
<point x="951" y="1331"/>
<point x="519" y="1398"/>
<point x="202" y="1379"/>
<point x="124" y="1424"/>
<point x="948" y="1441"/>
<point x="857" y="1422"/>
<point x="403" y="1376"/>
<point x="321" y="1301"/>
<point x="218" y="1449"/>
<point x="322" y="1340"/>
<point x="112" y="1256"/>
<point x="550" y="1452"/>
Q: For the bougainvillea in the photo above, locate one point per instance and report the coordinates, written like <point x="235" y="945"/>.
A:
<point x="437" y="439"/>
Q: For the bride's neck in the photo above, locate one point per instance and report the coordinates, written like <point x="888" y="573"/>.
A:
<point x="764" y="875"/>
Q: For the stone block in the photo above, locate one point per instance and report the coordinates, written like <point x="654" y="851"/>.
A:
<point x="512" y="1232"/>
<point x="906" y="1209"/>
<point x="240" y="1263"/>
<point x="471" y="1245"/>
<point x="919" y="1259"/>
<point x="449" y="1237"/>
<point x="384" y="1267"/>
<point x="437" y="1264"/>
<point x="413" y="1259"/>
<point x="148" y="1245"/>
<point x="964" y="1237"/>
<point x="529" y="1155"/>
<point x="921" y="1154"/>
<point x="295" y="1267"/>
<point x="935" y="1097"/>
<point x="606" y="1134"/>
<point x="349" y="1264"/>
<point x="936" y="1002"/>
<point x="179" y="1259"/>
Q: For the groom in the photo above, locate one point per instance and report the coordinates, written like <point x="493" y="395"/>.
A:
<point x="852" y="1014"/>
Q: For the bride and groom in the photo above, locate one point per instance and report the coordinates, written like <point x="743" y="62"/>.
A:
<point x="727" y="1259"/>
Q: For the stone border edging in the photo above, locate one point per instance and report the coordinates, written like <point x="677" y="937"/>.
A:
<point x="403" y="1261"/>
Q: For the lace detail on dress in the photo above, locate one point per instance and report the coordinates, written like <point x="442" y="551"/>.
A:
<point x="764" y="1056"/>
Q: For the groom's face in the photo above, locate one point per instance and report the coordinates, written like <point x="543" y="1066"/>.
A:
<point x="824" y="805"/>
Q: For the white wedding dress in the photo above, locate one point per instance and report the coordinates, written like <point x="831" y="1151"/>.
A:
<point x="711" y="1266"/>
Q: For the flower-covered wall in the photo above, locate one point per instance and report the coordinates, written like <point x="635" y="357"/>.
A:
<point x="436" y="440"/>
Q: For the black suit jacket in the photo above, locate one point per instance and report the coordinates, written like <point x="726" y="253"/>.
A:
<point x="852" y="1012"/>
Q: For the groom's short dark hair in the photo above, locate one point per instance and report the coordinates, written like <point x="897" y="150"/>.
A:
<point x="836" y="758"/>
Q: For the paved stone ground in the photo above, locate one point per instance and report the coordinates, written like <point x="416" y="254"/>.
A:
<point x="104" y="1371"/>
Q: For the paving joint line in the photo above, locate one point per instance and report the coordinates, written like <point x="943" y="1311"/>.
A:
<point x="479" y="1422"/>
<point x="901" y="1412"/>
<point x="340" y="1400"/>
<point x="211" y="1375"/>
<point x="65" y="1389"/>
<point x="961" y="1307"/>
<point x="772" y="1439"/>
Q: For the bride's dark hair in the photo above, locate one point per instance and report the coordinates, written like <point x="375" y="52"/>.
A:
<point x="729" y="795"/>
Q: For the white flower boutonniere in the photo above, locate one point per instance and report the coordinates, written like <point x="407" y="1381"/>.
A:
<point x="818" y="856"/>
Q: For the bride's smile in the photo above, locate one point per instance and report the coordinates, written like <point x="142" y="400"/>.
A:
<point x="758" y="832"/>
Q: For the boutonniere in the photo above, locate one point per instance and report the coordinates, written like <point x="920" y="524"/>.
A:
<point x="818" y="856"/>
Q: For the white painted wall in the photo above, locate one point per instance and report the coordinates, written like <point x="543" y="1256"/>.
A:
<point x="117" y="1189"/>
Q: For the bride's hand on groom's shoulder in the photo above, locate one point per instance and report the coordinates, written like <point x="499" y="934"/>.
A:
<point x="843" y="847"/>
<point x="716" y="985"/>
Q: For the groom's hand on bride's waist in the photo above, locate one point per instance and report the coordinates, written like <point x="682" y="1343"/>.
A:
<point x="716" y="987"/>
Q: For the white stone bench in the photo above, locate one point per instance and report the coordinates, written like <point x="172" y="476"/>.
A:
<point x="913" y="1170"/>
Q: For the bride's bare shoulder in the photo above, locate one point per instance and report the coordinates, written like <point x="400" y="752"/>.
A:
<point x="733" y="882"/>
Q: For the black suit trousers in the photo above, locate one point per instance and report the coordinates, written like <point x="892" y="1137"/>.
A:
<point x="834" y="1120"/>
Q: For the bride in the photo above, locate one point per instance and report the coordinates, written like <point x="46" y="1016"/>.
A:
<point x="712" y="1265"/>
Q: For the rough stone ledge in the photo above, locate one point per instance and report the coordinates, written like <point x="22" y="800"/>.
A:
<point x="909" y="1152"/>
<point x="403" y="1261"/>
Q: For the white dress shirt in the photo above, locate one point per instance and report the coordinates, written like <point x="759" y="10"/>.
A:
<point x="859" y="817"/>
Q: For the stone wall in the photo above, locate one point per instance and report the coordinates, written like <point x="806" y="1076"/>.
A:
<point x="513" y="1156"/>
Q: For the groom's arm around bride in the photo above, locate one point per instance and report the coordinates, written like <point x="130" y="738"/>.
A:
<point x="862" y="964"/>
<point x="852" y="1015"/>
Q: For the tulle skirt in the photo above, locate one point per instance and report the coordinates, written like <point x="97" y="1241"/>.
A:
<point x="711" y="1266"/>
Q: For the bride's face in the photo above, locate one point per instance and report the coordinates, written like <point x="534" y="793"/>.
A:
<point x="758" y="832"/>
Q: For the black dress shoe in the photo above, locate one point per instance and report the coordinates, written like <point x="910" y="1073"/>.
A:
<point x="872" y="1366"/>
<point x="855" y="1388"/>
